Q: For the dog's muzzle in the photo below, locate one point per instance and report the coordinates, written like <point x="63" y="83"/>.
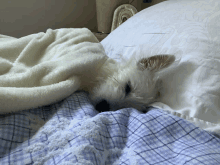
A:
<point x="102" y="106"/>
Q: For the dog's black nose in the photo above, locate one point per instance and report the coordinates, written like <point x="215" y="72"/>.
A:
<point x="102" y="106"/>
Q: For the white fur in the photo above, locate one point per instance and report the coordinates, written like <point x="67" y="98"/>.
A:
<point x="140" y="76"/>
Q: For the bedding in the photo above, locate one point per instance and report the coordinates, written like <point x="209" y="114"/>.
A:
<point x="71" y="131"/>
<point x="188" y="29"/>
<point x="43" y="68"/>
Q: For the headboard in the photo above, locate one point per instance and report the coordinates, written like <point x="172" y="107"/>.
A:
<point x="112" y="13"/>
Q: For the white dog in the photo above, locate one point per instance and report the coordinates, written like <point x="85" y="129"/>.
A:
<point x="133" y="84"/>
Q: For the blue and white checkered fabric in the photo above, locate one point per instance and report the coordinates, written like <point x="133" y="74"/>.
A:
<point x="73" y="132"/>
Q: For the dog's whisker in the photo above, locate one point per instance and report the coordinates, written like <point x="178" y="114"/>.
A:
<point x="135" y="87"/>
<point x="150" y="98"/>
<point x="115" y="80"/>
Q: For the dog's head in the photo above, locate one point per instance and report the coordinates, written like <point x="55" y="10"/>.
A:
<point x="134" y="84"/>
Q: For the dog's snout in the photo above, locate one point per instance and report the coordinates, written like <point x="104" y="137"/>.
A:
<point x="102" y="106"/>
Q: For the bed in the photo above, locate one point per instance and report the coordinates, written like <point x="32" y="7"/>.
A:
<point x="181" y="129"/>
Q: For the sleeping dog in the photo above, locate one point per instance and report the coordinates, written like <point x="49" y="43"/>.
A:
<point x="134" y="84"/>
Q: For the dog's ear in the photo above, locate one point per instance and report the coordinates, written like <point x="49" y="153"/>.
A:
<point x="156" y="63"/>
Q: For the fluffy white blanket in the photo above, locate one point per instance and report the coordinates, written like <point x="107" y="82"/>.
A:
<point x="44" y="68"/>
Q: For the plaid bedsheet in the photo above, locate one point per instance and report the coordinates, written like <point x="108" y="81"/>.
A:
<point x="73" y="132"/>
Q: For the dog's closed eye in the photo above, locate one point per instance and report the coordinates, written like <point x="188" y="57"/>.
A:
<point x="127" y="88"/>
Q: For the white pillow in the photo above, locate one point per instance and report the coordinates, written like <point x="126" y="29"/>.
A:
<point x="186" y="28"/>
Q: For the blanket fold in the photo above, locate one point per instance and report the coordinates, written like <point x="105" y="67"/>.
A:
<point x="43" y="68"/>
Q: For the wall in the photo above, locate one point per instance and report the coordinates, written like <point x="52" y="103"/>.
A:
<point x="154" y="2"/>
<point x="22" y="17"/>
